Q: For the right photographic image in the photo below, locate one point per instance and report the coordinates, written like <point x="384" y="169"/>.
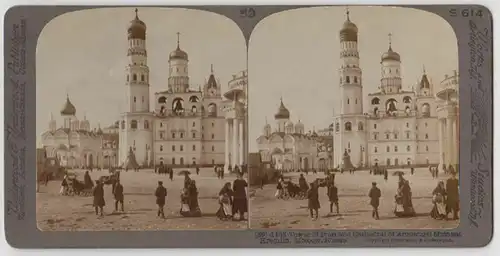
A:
<point x="353" y="120"/>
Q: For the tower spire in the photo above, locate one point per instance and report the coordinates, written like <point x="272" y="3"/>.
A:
<point x="178" y="40"/>
<point x="347" y="12"/>
<point x="136" y="13"/>
<point x="390" y="40"/>
<point x="423" y="68"/>
<point x="212" y="68"/>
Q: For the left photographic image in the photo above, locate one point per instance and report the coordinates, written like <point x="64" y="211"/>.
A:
<point x="141" y="121"/>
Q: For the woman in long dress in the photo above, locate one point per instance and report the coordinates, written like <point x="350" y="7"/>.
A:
<point x="194" y="207"/>
<point x="64" y="185"/>
<point x="280" y="188"/>
<point x="225" y="202"/>
<point x="185" y="203"/>
<point x="438" y="198"/>
<point x="404" y="205"/>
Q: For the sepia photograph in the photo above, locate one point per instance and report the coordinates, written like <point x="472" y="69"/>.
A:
<point x="141" y="121"/>
<point x="353" y="120"/>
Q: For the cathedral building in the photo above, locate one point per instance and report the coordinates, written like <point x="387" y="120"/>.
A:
<point x="186" y="127"/>
<point x="287" y="146"/>
<point x="398" y="127"/>
<point x="76" y="145"/>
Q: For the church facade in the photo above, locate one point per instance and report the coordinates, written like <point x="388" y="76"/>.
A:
<point x="76" y="145"/>
<point x="398" y="128"/>
<point x="288" y="147"/>
<point x="186" y="127"/>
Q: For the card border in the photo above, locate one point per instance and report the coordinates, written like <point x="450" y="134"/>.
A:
<point x="23" y="24"/>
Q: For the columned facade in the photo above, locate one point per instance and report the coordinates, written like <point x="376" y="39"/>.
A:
<point x="235" y="110"/>
<point x="448" y="121"/>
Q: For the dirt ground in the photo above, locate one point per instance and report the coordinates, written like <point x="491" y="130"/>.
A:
<point x="76" y="213"/>
<point x="355" y="211"/>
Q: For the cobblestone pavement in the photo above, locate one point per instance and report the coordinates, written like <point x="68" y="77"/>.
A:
<point x="71" y="213"/>
<point x="355" y="210"/>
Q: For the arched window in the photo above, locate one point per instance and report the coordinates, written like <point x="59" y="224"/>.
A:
<point x="375" y="101"/>
<point x="355" y="79"/>
<point x="395" y="148"/>
<point x="375" y="149"/>
<point x="408" y="148"/>
<point x="388" y="149"/>
<point x="213" y="161"/>
<point x="194" y="147"/>
<point x="173" y="160"/>
<point x="213" y="148"/>
<point x="133" y="124"/>
<point x="347" y="79"/>
<point x="360" y="126"/>
<point x="173" y="148"/>
<point x="146" y="124"/>
<point x="212" y="109"/>
<point x="407" y="99"/>
<point x="388" y="162"/>
<point x="213" y="136"/>
<point x="161" y="148"/>
<point x="162" y="99"/>
<point x="181" y="148"/>
<point x="182" y="161"/>
<point x="134" y="77"/>
<point x="142" y="78"/>
<point x="135" y="99"/>
<point x="348" y="126"/>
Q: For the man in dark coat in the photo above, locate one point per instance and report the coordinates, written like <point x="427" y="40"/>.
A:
<point x="98" y="193"/>
<point x="375" y="195"/>
<point x="170" y="173"/>
<point x="118" y="193"/>
<point x="386" y="175"/>
<point x="333" y="196"/>
<point x="452" y="200"/>
<point x="161" y="194"/>
<point x="240" y="202"/>
<point x="197" y="170"/>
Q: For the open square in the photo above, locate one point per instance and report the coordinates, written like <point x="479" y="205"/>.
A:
<point x="355" y="211"/>
<point x="76" y="213"/>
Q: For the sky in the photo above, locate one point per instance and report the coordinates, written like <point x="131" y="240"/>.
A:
<point x="84" y="54"/>
<point x="295" y="55"/>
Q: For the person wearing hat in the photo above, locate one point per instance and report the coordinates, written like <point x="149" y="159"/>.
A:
<point x="98" y="193"/>
<point x="452" y="200"/>
<point x="375" y="195"/>
<point x="161" y="194"/>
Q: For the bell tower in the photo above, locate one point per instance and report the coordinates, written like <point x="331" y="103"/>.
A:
<point x="350" y="137"/>
<point x="136" y="124"/>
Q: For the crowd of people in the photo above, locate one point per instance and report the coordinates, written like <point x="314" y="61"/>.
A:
<point x="232" y="200"/>
<point x="445" y="197"/>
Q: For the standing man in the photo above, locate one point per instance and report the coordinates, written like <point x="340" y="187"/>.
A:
<point x="452" y="200"/>
<point x="170" y="173"/>
<point x="197" y="170"/>
<point x="240" y="202"/>
<point x="375" y="195"/>
<point x="118" y="193"/>
<point x="333" y="196"/>
<point x="98" y="193"/>
<point x="161" y="194"/>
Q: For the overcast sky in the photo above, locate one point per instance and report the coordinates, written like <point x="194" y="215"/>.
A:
<point x="84" y="54"/>
<point x="295" y="55"/>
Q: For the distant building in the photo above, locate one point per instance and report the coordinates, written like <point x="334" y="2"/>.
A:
<point x="76" y="145"/>
<point x="287" y="146"/>
<point x="187" y="126"/>
<point x="400" y="126"/>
